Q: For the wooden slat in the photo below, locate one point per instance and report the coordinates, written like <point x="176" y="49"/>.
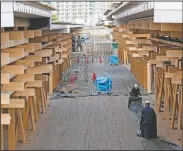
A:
<point x="14" y="103"/>
<point x="4" y="58"/>
<point x="33" y="57"/>
<point x="4" y="37"/>
<point x="13" y="69"/>
<point x="39" y="39"/>
<point x="16" y="35"/>
<point x="5" y="119"/>
<point x="40" y="69"/>
<point x="171" y="27"/>
<point x="5" y="98"/>
<point x="27" y="47"/>
<point x="25" y="92"/>
<point x="174" y="53"/>
<point x="37" y="33"/>
<point x="41" y="77"/>
<point x="28" y="63"/>
<point x="37" y="46"/>
<point x="44" y="52"/>
<point x="5" y="78"/>
<point x="29" y="33"/>
<point x="14" y="52"/>
<point x="33" y="84"/>
<point x="155" y="26"/>
<point x="23" y="78"/>
<point x="13" y="86"/>
<point x="177" y="81"/>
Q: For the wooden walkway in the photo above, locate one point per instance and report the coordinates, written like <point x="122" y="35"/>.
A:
<point x="90" y="123"/>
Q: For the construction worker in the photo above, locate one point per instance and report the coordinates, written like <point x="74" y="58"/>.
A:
<point x="148" y="125"/>
<point x="134" y="95"/>
<point x="79" y="45"/>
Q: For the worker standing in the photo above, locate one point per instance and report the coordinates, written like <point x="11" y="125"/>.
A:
<point x="134" y="95"/>
<point x="148" y="124"/>
<point x="79" y="44"/>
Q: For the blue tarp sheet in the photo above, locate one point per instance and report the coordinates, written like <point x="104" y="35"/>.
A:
<point x="114" y="59"/>
<point x="103" y="83"/>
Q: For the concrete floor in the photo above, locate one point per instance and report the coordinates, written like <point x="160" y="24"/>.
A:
<point x="92" y="122"/>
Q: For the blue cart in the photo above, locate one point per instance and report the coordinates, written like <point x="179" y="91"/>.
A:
<point x="114" y="60"/>
<point x="103" y="84"/>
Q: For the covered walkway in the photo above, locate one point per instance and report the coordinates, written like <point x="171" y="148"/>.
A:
<point x="93" y="122"/>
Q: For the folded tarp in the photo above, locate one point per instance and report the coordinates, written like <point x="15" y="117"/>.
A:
<point x="114" y="59"/>
<point x="103" y="83"/>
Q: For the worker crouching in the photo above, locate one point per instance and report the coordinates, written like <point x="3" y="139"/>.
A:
<point x="135" y="95"/>
<point x="148" y="124"/>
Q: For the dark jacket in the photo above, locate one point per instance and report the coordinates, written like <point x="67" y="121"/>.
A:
<point x="135" y="92"/>
<point x="148" y="114"/>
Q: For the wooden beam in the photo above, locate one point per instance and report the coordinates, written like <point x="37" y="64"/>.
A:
<point x="34" y="84"/>
<point x="177" y="80"/>
<point x="39" y="39"/>
<point x="5" y="78"/>
<point x="171" y="27"/>
<point x="176" y="34"/>
<point x="4" y="37"/>
<point x="13" y="86"/>
<point x="37" y="33"/>
<point x="14" y="103"/>
<point x="168" y="42"/>
<point x="16" y="35"/>
<point x="27" y="47"/>
<point x="155" y="26"/>
<point x="138" y="35"/>
<point x="40" y="69"/>
<point x="5" y="119"/>
<point x="14" y="52"/>
<point x="25" y="92"/>
<point x="28" y="63"/>
<point x="29" y="33"/>
<point x="37" y="46"/>
<point x="41" y="77"/>
<point x="4" y="58"/>
<point x="174" y="53"/>
<point x="23" y="78"/>
<point x="13" y="43"/>
<point x="5" y="98"/>
<point x="33" y="57"/>
<point x="13" y="69"/>
<point x="44" y="52"/>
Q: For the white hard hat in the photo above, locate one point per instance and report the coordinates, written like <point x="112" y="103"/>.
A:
<point x="147" y="102"/>
<point x="135" y="85"/>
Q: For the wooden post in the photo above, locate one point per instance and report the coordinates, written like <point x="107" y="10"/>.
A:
<point x="174" y="105"/>
<point x="11" y="130"/>
<point x="2" y="137"/>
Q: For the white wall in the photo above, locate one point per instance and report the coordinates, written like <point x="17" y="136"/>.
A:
<point x="7" y="15"/>
<point x="168" y="12"/>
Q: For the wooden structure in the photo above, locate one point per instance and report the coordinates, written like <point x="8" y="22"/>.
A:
<point x="156" y="63"/>
<point x="31" y="67"/>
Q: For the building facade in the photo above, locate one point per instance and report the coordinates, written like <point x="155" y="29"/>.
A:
<point x="88" y="13"/>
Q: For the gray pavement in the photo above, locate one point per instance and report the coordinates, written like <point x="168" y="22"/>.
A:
<point x="93" y="122"/>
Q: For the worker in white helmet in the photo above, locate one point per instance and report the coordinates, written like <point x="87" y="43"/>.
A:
<point x="134" y="95"/>
<point x="148" y="125"/>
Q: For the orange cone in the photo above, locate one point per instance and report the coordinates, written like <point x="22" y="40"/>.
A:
<point x="100" y="59"/>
